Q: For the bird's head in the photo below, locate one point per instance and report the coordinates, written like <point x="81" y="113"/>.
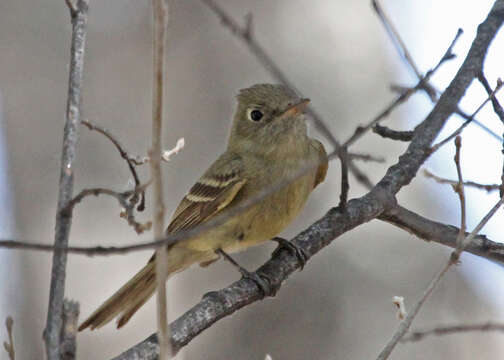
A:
<point x="267" y="117"/>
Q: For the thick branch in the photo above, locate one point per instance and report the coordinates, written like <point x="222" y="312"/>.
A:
<point x="52" y="332"/>
<point x="441" y="233"/>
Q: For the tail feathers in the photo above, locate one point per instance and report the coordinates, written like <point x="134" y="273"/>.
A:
<point x="126" y="301"/>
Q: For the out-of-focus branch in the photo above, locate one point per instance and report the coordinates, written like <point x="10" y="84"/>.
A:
<point x="461" y="245"/>
<point x="453" y="329"/>
<point x="160" y="12"/>
<point x="69" y="330"/>
<point x="440" y="180"/>
<point x="52" y="332"/>
<point x="366" y="157"/>
<point x="245" y="33"/>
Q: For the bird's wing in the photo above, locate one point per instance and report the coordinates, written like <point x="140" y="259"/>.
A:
<point x="324" y="163"/>
<point x="211" y="193"/>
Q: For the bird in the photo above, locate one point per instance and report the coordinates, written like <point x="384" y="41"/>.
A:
<point x="268" y="143"/>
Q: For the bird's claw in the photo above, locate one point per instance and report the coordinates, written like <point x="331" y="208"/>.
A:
<point x="262" y="284"/>
<point x="299" y="253"/>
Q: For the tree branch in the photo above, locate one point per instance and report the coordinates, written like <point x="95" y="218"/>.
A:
<point x="160" y="14"/>
<point x="453" y="329"/>
<point x="52" y="332"/>
<point x="440" y="233"/>
<point x="69" y="330"/>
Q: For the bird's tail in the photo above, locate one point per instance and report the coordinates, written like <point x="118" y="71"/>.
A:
<point x="132" y="295"/>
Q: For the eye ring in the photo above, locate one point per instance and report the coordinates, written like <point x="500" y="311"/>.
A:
<point x="255" y="115"/>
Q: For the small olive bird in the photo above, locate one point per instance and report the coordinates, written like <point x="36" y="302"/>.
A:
<point x="268" y="144"/>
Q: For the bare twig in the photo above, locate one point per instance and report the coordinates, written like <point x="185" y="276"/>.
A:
<point x="366" y="157"/>
<point x="69" y="330"/>
<point x="468" y="121"/>
<point x="440" y="180"/>
<point x="406" y="323"/>
<point x="122" y="197"/>
<point x="385" y="132"/>
<point x="459" y="189"/>
<point x="394" y="36"/>
<point x="423" y="83"/>
<point x="345" y="187"/>
<point x="160" y="12"/>
<point x="9" y="346"/>
<point x="453" y="329"/>
<point x="130" y="160"/>
<point x="52" y="332"/>
<point x="428" y="88"/>
<point x="499" y="111"/>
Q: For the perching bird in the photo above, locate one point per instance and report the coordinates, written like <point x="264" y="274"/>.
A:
<point x="268" y="144"/>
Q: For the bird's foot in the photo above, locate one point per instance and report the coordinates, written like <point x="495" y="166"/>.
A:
<point x="261" y="283"/>
<point x="299" y="253"/>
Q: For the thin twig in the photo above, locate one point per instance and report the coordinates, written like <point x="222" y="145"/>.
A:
<point x="468" y="121"/>
<point x="499" y="111"/>
<point x="423" y="83"/>
<point x="9" y="346"/>
<point x="170" y="239"/>
<point x="131" y="161"/>
<point x="388" y="133"/>
<point x="366" y="157"/>
<point x="440" y="180"/>
<point x="160" y="13"/>
<point x="428" y="88"/>
<point x="459" y="189"/>
<point x="128" y="207"/>
<point x="406" y="323"/>
<point x="453" y="329"/>
<point x="394" y="36"/>
<point x="52" y="332"/>
<point x="345" y="187"/>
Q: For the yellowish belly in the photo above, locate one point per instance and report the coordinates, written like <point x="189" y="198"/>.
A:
<point x="258" y="224"/>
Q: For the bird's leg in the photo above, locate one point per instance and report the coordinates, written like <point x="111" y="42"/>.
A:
<point x="299" y="253"/>
<point x="263" y="285"/>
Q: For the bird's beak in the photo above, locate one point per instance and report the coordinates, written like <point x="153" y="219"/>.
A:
<point x="295" y="109"/>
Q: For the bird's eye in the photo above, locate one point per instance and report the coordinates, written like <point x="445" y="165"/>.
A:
<point x="255" y="115"/>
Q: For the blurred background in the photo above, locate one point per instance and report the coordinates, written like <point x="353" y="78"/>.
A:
<point x="338" y="54"/>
